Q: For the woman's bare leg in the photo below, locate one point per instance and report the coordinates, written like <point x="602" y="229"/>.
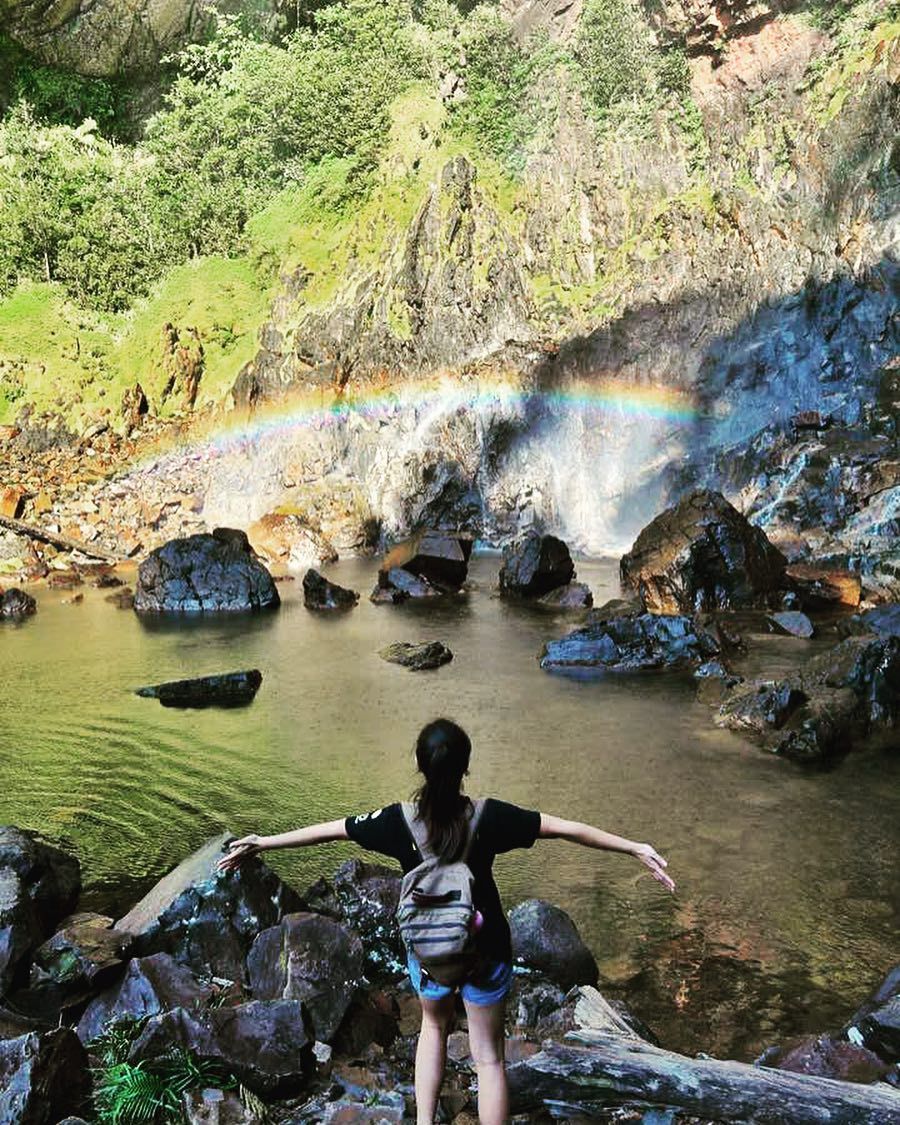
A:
<point x="486" y="1043"/>
<point x="431" y="1055"/>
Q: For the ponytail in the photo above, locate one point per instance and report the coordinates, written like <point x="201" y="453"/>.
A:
<point x="442" y="755"/>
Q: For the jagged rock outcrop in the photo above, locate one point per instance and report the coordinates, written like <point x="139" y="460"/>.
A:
<point x="107" y="37"/>
<point x="451" y="292"/>
<point x="630" y="642"/>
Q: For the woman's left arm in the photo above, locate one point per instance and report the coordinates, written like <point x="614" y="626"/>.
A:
<point x="554" y="827"/>
<point x="323" y="833"/>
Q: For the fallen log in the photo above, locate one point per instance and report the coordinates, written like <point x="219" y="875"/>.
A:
<point x="610" y="1070"/>
<point x="55" y="540"/>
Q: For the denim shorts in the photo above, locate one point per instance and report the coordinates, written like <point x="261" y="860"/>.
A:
<point x="489" y="985"/>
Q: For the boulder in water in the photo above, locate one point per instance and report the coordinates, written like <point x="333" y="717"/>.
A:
<point x="215" y="573"/>
<point x="16" y="603"/>
<point x="702" y="554"/>
<point x="630" y="642"/>
<point x="205" y="918"/>
<point x="311" y="958"/>
<point x="534" y="565"/>
<point x="792" y="623"/>
<point x="546" y="939"/>
<point x="227" y="689"/>
<point x="399" y="585"/>
<point x="417" y="658"/>
<point x="441" y="558"/>
<point x="882" y="621"/>
<point x="39" y="885"/>
<point x="574" y="595"/>
<point x="43" y="1077"/>
<point x="319" y="593"/>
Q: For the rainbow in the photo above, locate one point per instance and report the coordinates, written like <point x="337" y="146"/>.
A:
<point x="319" y="409"/>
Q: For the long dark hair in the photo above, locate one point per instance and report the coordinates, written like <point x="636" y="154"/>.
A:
<point x="442" y="755"/>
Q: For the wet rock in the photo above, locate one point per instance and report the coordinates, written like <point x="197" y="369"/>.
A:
<point x="371" y="1018"/>
<point x="843" y="694"/>
<point x="398" y="585"/>
<point x="39" y="885"/>
<point x="416" y="657"/>
<point x="822" y="589"/>
<point x="714" y="681"/>
<point x="876" y="1024"/>
<point x="311" y="958"/>
<point x="630" y="643"/>
<point x="81" y="956"/>
<point x="546" y="939"/>
<point x="702" y="554"/>
<point x="16" y="603"/>
<point x="121" y="599"/>
<point x="43" y="1078"/>
<point x="575" y="595"/>
<point x="883" y="621"/>
<point x="228" y="689"/>
<point x="107" y="582"/>
<point x="150" y="985"/>
<point x="208" y="919"/>
<point x="792" y="623"/>
<point x="202" y="574"/>
<point x="825" y="1057"/>
<point x="532" y="1000"/>
<point x="364" y="896"/>
<point x="265" y="1044"/>
<point x="319" y="593"/>
<point x="534" y="565"/>
<point x="441" y="558"/>
<point x="289" y="539"/>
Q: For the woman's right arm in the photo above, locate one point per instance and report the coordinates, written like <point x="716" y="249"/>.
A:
<point x="554" y="827"/>
<point x="323" y="833"/>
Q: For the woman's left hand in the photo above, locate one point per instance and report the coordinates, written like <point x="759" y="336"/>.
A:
<point x="238" y="851"/>
<point x="655" y="864"/>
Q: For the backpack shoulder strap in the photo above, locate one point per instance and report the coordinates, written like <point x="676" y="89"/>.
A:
<point x="417" y="830"/>
<point x="477" y="811"/>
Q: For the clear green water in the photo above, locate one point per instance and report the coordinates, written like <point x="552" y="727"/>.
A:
<point x="788" y="903"/>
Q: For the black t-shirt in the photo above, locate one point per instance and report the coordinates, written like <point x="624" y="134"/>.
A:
<point x="501" y="828"/>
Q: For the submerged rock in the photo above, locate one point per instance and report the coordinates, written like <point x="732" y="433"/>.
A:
<point x="319" y="593"/>
<point x="205" y="918"/>
<point x="546" y="939"/>
<point x="228" y="689"/>
<point x="39" y="885"/>
<point x="417" y="658"/>
<point x="702" y="554"/>
<point x="43" y="1078"/>
<point x="203" y="574"/>
<point x="630" y="643"/>
<point x="792" y="623"/>
<point x="311" y="958"/>
<point x="16" y="603"/>
<point x="440" y="558"/>
<point x="534" y="565"/>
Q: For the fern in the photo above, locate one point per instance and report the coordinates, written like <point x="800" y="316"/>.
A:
<point x="153" y="1091"/>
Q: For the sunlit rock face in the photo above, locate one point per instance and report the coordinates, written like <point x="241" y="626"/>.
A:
<point x="109" y="37"/>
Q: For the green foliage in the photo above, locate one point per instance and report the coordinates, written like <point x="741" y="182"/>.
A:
<point x="134" y="1094"/>
<point x="613" y="52"/>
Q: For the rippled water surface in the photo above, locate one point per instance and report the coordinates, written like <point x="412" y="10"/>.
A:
<point x="788" y="903"/>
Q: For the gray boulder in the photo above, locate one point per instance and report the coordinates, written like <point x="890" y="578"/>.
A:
<point x="545" y="938"/>
<point x="151" y="985"/>
<point x="793" y="623"/>
<point x="630" y="643"/>
<point x="364" y="896"/>
<point x="398" y="585"/>
<point x="83" y="954"/>
<point x="227" y="689"/>
<point x="39" y="885"/>
<point x="265" y="1044"/>
<point x="208" y="919"/>
<point x="319" y="593"/>
<point x="43" y="1078"/>
<point x="217" y="573"/>
<point x="534" y="565"/>
<point x="311" y="958"/>
<point x="416" y="657"/>
<point x="16" y="603"/>
<point x="440" y="558"/>
<point x="574" y="595"/>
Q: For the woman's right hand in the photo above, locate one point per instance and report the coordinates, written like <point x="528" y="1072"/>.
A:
<point x="239" y="850"/>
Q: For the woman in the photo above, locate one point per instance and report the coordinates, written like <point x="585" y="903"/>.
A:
<point x="442" y="755"/>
